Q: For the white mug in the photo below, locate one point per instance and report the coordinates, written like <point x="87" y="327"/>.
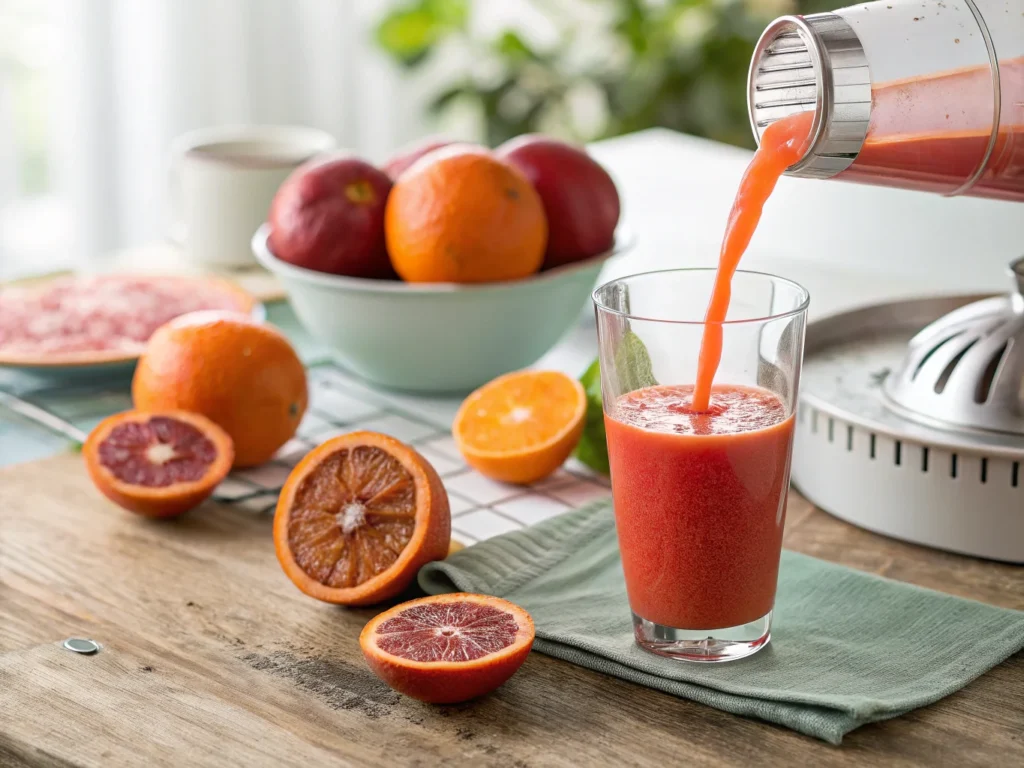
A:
<point x="223" y="180"/>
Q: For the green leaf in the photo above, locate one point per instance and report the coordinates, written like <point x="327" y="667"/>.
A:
<point x="514" y="47"/>
<point x="633" y="364"/>
<point x="591" y="381"/>
<point x="446" y="98"/>
<point x="634" y="370"/>
<point x="592" y="449"/>
<point x="451" y="13"/>
<point x="410" y="32"/>
<point x="667" y="70"/>
<point x="407" y="34"/>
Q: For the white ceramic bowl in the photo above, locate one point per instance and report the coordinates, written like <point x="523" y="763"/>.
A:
<point x="436" y="337"/>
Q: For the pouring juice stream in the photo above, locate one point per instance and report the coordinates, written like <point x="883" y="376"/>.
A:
<point x="903" y="147"/>
<point x="783" y="144"/>
<point x="682" y="465"/>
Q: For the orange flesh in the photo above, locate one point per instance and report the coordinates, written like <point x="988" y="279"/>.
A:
<point x="448" y="631"/>
<point x="156" y="453"/>
<point x="783" y="144"/>
<point x="521" y="413"/>
<point x="352" y="516"/>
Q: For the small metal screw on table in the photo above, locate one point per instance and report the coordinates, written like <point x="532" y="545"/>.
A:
<point x="81" y="645"/>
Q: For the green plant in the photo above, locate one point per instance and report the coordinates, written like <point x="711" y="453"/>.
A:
<point x="597" y="68"/>
<point x="592" y="448"/>
<point x="633" y="370"/>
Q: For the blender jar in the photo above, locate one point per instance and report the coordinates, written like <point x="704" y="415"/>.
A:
<point x="905" y="93"/>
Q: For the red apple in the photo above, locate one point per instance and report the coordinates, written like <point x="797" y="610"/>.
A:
<point x="410" y="153"/>
<point x="329" y="216"/>
<point x="580" y="199"/>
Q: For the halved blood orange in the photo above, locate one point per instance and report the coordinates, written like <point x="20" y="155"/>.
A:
<point x="157" y="464"/>
<point x="522" y="426"/>
<point x="448" y="648"/>
<point x="358" y="517"/>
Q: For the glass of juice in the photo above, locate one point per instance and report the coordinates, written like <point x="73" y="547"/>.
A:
<point x="700" y="497"/>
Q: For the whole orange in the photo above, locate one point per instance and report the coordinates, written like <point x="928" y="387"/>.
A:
<point x="461" y="215"/>
<point x="241" y="374"/>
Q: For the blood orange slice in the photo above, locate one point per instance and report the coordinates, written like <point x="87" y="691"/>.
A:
<point x="358" y="517"/>
<point x="157" y="464"/>
<point x="448" y="648"/>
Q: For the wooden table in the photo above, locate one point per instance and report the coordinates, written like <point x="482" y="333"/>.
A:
<point x="211" y="657"/>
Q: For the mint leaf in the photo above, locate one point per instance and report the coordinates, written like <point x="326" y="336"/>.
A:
<point x="633" y="364"/>
<point x="592" y="449"/>
<point x="634" y="370"/>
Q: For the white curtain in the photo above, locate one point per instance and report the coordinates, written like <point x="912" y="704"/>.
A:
<point x="8" y="185"/>
<point x="132" y="74"/>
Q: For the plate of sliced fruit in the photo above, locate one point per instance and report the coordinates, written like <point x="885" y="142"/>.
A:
<point x="94" y="324"/>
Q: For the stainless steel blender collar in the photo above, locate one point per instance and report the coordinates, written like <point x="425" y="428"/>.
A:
<point x="805" y="63"/>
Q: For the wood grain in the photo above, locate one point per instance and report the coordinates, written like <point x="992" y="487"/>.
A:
<point x="211" y="657"/>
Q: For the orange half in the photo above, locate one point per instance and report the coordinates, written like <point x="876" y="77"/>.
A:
<point x="448" y="648"/>
<point x="157" y="463"/>
<point x="358" y="517"/>
<point x="521" y="427"/>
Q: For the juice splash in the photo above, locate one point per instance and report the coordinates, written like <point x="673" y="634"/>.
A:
<point x="783" y="143"/>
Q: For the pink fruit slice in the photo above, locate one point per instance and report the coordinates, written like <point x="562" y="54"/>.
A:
<point x="157" y="464"/>
<point x="448" y="648"/>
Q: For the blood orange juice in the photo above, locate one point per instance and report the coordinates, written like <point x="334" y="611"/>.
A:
<point x="700" y="502"/>
<point x="700" y="472"/>
<point x="700" y="492"/>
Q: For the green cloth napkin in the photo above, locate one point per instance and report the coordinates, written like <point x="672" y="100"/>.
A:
<point x="847" y="648"/>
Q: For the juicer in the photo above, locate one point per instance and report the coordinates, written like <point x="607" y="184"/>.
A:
<point x="911" y="414"/>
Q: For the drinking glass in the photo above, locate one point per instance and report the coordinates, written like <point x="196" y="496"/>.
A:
<point x="700" y="498"/>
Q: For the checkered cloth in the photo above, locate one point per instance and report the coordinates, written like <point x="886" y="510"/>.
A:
<point x="339" y="403"/>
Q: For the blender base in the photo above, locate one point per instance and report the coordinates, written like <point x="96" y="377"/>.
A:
<point x="857" y="458"/>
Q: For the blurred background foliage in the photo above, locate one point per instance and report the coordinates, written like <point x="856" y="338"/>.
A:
<point x="587" y="69"/>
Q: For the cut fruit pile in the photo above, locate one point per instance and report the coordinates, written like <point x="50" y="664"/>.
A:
<point x="521" y="427"/>
<point x="358" y="517"/>
<point x="448" y="648"/>
<point x="157" y="464"/>
<point x="214" y="389"/>
<point x="356" y="520"/>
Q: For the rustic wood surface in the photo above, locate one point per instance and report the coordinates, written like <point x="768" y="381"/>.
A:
<point x="211" y="657"/>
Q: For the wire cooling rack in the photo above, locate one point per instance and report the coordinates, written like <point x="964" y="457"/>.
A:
<point x="481" y="508"/>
